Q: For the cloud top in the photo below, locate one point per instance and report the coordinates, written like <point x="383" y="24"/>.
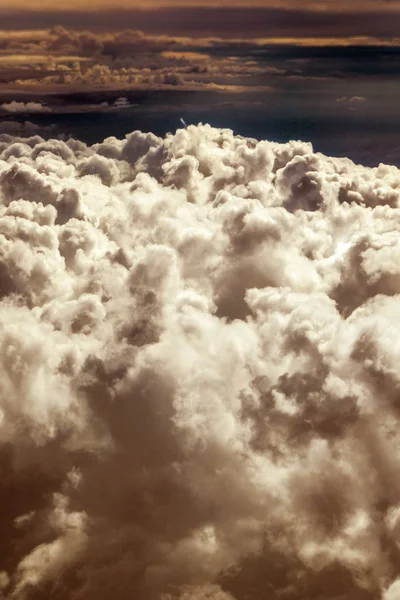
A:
<point x="198" y="370"/>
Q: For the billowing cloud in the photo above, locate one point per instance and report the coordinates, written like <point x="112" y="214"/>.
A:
<point x="198" y="370"/>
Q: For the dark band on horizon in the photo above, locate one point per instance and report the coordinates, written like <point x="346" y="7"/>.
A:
<point x="224" y="22"/>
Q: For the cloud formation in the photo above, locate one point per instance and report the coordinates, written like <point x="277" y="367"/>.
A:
<point x="24" y="107"/>
<point x="198" y="370"/>
<point x="62" y="60"/>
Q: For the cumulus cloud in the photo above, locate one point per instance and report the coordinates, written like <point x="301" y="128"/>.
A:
<point x="26" y="128"/>
<point x="198" y="370"/>
<point x="24" y="107"/>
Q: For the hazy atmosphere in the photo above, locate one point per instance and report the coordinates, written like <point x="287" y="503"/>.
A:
<point x="199" y="300"/>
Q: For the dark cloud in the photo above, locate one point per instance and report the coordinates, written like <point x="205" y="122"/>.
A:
<point x="240" y="22"/>
<point x="353" y="60"/>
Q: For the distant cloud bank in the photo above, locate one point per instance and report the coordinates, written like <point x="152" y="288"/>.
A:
<point x="62" y="60"/>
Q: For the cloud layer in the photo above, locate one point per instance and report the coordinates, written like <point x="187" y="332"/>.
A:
<point x="198" y="370"/>
<point x="64" y="61"/>
<point x="275" y="18"/>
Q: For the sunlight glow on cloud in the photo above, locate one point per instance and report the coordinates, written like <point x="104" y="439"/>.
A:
<point x="199" y="349"/>
<point x="62" y="60"/>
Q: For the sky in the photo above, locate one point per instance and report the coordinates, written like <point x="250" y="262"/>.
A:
<point x="322" y="6"/>
<point x="243" y="19"/>
<point x="324" y="73"/>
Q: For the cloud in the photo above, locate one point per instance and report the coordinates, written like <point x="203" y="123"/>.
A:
<point x="352" y="103"/>
<point x="121" y="103"/>
<point x="351" y="99"/>
<point x="102" y="77"/>
<point x="25" y="128"/>
<point x="198" y="370"/>
<point x="276" y="19"/>
<point x="393" y="592"/>
<point x="60" y="60"/>
<point x="24" y="107"/>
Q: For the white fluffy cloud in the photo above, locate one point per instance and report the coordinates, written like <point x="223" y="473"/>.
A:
<point x="24" y="107"/>
<point x="199" y="349"/>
